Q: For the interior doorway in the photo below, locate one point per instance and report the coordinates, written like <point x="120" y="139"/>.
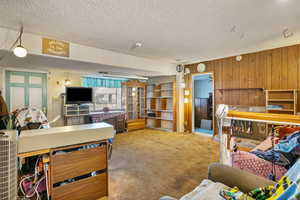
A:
<point x="203" y="103"/>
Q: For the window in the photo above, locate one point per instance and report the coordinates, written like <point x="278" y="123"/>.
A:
<point x="107" y="92"/>
<point x="107" y="97"/>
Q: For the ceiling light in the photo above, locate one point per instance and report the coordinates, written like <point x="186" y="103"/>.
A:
<point x="286" y="33"/>
<point x="138" y="44"/>
<point x="19" y="50"/>
<point x="186" y="100"/>
<point x="186" y="92"/>
<point x="67" y="81"/>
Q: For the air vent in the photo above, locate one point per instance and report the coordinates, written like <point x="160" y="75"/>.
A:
<point x="8" y="166"/>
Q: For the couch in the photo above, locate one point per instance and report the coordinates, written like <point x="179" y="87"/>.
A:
<point x="219" y="176"/>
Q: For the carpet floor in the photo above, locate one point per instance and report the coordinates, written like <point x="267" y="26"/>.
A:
<point x="148" y="164"/>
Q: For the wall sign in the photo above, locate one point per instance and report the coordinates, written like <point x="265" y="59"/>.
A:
<point x="55" y="47"/>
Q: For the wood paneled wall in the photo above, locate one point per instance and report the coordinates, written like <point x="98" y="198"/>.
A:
<point x="242" y="83"/>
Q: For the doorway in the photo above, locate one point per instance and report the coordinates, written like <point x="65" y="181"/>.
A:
<point x="203" y="103"/>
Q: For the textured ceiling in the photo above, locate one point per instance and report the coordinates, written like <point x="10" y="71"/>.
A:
<point x="168" y="29"/>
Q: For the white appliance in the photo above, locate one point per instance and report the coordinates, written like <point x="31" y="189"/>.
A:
<point x="8" y="166"/>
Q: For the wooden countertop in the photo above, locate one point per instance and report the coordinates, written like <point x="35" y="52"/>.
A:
<point x="266" y="116"/>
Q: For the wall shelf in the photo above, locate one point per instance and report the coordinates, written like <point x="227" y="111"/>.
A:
<point x="281" y="100"/>
<point x="281" y="110"/>
<point x="284" y="99"/>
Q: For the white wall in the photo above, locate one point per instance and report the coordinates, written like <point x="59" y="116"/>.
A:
<point x="202" y="88"/>
<point x="33" y="44"/>
<point x="54" y="90"/>
<point x="161" y="79"/>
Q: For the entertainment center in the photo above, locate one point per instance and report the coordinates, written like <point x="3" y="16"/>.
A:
<point x="78" y="110"/>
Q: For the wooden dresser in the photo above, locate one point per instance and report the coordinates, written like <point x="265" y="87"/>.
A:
<point x="75" y="156"/>
<point x="78" y="165"/>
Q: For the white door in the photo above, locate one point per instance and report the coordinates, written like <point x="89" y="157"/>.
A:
<point x="26" y="89"/>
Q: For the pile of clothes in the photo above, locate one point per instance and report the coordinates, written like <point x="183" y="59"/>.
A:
<point x="285" y="153"/>
<point x="287" y="188"/>
<point x="274" y="157"/>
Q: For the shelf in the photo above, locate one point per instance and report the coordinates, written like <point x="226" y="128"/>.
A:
<point x="163" y="99"/>
<point x="165" y="110"/>
<point x="167" y="119"/>
<point x="282" y="110"/>
<point x="159" y="118"/>
<point x="240" y="89"/>
<point x="166" y="83"/>
<point x="152" y="97"/>
<point x="285" y="98"/>
<point x="280" y="100"/>
<point x="282" y="90"/>
<point x="166" y="90"/>
<point x="152" y="118"/>
<point x="154" y="110"/>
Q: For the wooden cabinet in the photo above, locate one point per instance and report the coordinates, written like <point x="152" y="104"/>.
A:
<point x="134" y="105"/>
<point x="76" y="172"/>
<point x="91" y="188"/>
<point x="77" y="163"/>
<point x="282" y="101"/>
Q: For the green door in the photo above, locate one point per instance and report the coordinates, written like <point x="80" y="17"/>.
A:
<point x="24" y="89"/>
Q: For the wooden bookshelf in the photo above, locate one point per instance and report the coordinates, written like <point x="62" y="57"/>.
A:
<point x="161" y="106"/>
<point x="282" y="101"/>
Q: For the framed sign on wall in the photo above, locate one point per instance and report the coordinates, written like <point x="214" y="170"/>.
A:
<point x="55" y="47"/>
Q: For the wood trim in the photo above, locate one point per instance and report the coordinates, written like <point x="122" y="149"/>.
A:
<point x="265" y="116"/>
<point x="174" y="107"/>
<point x="33" y="153"/>
<point x="134" y="83"/>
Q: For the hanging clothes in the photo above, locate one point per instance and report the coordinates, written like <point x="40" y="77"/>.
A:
<point x="4" y="118"/>
<point x="3" y="107"/>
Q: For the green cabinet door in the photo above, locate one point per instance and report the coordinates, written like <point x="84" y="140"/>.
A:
<point x="24" y="89"/>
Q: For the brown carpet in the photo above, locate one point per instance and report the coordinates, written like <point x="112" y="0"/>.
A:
<point x="148" y="164"/>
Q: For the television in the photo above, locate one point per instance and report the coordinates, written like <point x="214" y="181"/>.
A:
<point x="79" y="95"/>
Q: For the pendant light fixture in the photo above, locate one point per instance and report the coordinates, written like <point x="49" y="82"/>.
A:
<point x="19" y="50"/>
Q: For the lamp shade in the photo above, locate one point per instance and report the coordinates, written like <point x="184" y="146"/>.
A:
<point x="186" y="92"/>
<point x="20" y="51"/>
<point x="186" y="100"/>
